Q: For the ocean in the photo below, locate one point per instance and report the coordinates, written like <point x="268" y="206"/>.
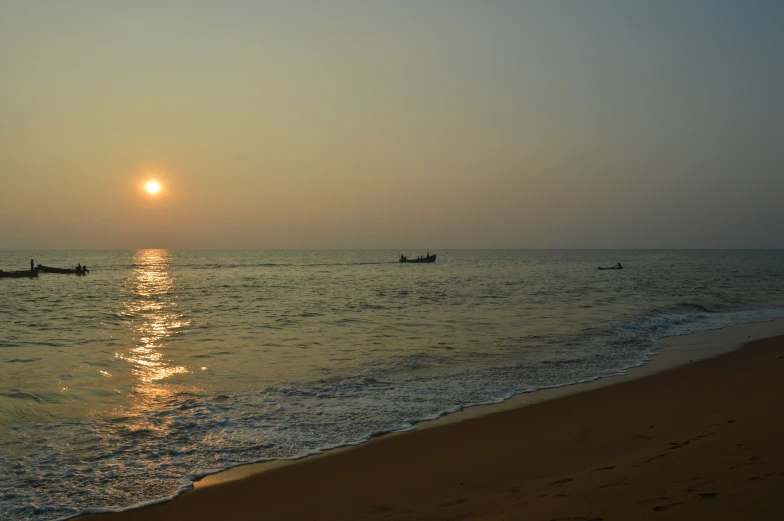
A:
<point x="123" y="386"/>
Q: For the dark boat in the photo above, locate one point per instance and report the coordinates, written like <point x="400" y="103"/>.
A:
<point x="18" y="274"/>
<point x="611" y="268"/>
<point x="429" y="258"/>
<point x="48" y="269"/>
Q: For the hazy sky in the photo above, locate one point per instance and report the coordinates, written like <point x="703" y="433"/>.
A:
<point x="400" y="124"/>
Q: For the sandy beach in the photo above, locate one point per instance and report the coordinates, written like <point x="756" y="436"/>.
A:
<point x="700" y="441"/>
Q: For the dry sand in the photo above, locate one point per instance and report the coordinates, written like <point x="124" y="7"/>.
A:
<point x="701" y="441"/>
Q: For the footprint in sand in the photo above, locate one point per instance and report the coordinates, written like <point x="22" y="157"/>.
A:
<point x="452" y="503"/>
<point x="514" y="491"/>
<point x="658" y="456"/>
<point x="707" y="495"/>
<point x="618" y="484"/>
<point x="559" y="482"/>
<point x="757" y="478"/>
<point x="662" y="508"/>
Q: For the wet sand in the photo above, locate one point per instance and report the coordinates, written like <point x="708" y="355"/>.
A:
<point x="700" y="441"/>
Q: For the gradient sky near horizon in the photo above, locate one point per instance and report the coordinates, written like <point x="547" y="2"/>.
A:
<point x="440" y="124"/>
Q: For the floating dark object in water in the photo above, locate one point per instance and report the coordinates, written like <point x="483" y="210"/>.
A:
<point x="75" y="271"/>
<point x="428" y="258"/>
<point x="18" y="274"/>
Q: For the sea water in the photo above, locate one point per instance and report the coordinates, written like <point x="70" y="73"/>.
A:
<point x="121" y="387"/>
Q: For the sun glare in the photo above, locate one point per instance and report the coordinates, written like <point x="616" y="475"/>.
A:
<point x="152" y="187"/>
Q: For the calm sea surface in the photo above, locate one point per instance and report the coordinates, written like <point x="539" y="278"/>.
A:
<point x="123" y="386"/>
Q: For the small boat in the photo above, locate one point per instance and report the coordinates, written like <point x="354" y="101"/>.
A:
<point x="428" y="258"/>
<point x="18" y="274"/>
<point x="611" y="268"/>
<point x="49" y="269"/>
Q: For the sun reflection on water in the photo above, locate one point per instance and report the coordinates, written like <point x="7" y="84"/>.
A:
<point x="151" y="309"/>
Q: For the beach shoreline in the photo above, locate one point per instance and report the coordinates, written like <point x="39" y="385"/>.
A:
<point x="414" y="456"/>
<point x="676" y="351"/>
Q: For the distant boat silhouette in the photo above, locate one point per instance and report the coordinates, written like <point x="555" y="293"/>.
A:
<point x="428" y="258"/>
<point x="49" y="269"/>
<point x="18" y="274"/>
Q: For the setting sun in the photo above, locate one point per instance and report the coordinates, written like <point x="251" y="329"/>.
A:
<point x="152" y="187"/>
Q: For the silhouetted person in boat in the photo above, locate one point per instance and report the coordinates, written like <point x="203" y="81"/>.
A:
<point x="79" y="268"/>
<point x="619" y="266"/>
<point x="32" y="265"/>
<point x="428" y="254"/>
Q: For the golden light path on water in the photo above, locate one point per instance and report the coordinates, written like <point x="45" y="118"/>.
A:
<point x="151" y="310"/>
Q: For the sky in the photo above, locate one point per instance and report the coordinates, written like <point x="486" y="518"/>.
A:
<point x="438" y="124"/>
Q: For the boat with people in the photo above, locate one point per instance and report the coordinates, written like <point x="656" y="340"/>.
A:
<point x="80" y="270"/>
<point x="18" y="274"/>
<point x="426" y="258"/>
<point x="616" y="267"/>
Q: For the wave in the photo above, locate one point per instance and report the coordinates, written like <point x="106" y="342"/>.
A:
<point x="694" y="307"/>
